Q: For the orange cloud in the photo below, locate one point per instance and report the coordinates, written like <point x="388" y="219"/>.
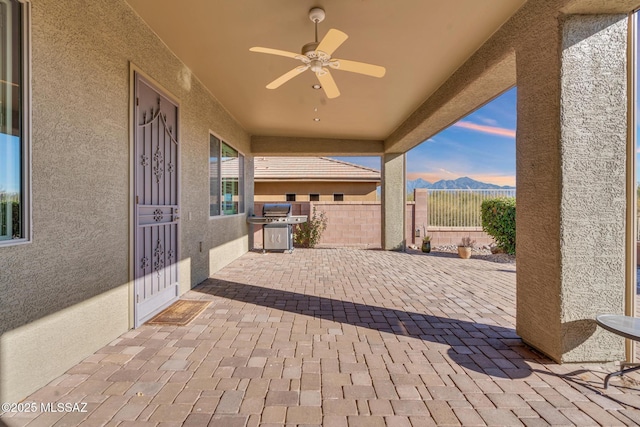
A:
<point x="493" y="130"/>
<point x="496" y="179"/>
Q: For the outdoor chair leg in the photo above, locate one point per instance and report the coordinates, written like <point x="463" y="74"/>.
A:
<point x="622" y="371"/>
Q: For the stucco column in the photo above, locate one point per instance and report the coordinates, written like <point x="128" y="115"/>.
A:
<point x="393" y="201"/>
<point x="571" y="166"/>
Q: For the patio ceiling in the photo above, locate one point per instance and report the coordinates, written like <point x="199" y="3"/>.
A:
<point x="419" y="42"/>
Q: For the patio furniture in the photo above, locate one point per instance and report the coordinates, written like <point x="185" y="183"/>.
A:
<point x="625" y="326"/>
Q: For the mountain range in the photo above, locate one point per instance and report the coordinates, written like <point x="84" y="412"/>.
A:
<point x="463" y="183"/>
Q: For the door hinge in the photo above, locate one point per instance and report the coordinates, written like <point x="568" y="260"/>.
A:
<point x="137" y="299"/>
<point x="137" y="200"/>
<point x="137" y="101"/>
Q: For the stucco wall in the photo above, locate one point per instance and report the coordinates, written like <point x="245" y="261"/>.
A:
<point x="353" y="191"/>
<point x="593" y="149"/>
<point x="67" y="293"/>
<point x="393" y="201"/>
<point x="571" y="147"/>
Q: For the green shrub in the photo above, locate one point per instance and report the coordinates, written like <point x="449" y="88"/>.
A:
<point x="499" y="221"/>
<point x="307" y="235"/>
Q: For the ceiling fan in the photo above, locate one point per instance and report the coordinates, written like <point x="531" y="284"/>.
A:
<point x="317" y="57"/>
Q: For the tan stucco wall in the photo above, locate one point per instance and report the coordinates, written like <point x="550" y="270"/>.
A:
<point x="393" y="201"/>
<point x="353" y="191"/>
<point x="571" y="172"/>
<point x="66" y="293"/>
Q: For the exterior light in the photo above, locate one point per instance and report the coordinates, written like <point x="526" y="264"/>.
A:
<point x="316" y="119"/>
<point x="316" y="86"/>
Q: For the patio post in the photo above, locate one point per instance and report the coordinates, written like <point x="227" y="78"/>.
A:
<point x="571" y="174"/>
<point x="394" y="200"/>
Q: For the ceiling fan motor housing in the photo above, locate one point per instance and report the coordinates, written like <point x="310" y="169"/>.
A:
<point x="309" y="47"/>
<point x="316" y="14"/>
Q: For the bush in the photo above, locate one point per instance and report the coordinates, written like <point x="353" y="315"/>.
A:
<point x="499" y="221"/>
<point x="308" y="234"/>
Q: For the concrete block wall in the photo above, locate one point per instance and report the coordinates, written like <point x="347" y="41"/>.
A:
<point x="453" y="236"/>
<point x="358" y="225"/>
<point x="351" y="224"/>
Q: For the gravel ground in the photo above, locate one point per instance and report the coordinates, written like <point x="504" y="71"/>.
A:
<point x="478" y="253"/>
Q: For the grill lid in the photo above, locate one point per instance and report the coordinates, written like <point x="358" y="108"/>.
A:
<point x="276" y="209"/>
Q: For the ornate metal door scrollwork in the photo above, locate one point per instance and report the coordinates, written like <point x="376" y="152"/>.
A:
<point x="156" y="164"/>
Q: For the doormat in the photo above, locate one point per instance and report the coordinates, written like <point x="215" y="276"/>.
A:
<point x="180" y="313"/>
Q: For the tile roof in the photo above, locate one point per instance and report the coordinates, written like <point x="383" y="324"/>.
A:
<point x="310" y="169"/>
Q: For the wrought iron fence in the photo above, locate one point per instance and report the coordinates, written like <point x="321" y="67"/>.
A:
<point x="460" y="208"/>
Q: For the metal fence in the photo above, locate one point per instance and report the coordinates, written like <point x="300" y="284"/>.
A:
<point x="460" y="208"/>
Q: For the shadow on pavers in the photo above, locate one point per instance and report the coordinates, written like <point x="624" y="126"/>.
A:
<point x="508" y="353"/>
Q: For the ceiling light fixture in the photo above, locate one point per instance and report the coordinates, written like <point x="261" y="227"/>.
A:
<point x="316" y="86"/>
<point x="316" y="119"/>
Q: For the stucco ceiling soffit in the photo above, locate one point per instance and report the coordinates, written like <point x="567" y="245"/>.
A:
<point x="591" y="7"/>
<point x="487" y="74"/>
<point x="288" y="146"/>
<point x="419" y="42"/>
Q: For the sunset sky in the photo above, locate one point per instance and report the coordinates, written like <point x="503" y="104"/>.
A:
<point x="481" y="146"/>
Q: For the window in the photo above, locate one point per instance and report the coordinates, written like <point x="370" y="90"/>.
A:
<point x="226" y="179"/>
<point x="314" y="197"/>
<point x="338" y="197"/>
<point x="14" y="139"/>
<point x="291" y="197"/>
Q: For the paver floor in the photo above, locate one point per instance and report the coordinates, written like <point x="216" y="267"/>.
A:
<point x="339" y="337"/>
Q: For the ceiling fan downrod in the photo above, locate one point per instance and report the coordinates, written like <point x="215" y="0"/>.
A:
<point x="316" y="15"/>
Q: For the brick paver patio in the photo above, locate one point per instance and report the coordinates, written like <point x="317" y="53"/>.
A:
<point x="340" y="338"/>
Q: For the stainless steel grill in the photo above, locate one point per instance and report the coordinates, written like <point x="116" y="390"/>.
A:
<point x="277" y="226"/>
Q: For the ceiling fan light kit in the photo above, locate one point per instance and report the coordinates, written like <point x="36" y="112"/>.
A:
<point x="316" y="56"/>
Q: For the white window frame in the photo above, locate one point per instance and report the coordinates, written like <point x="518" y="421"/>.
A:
<point x="241" y="186"/>
<point x="25" y="137"/>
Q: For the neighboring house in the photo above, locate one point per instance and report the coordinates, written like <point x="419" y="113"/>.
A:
<point x="303" y="179"/>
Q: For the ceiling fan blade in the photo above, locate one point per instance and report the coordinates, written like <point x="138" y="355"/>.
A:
<point x="358" y="67"/>
<point x="286" y="77"/>
<point x="274" y="52"/>
<point x="328" y="84"/>
<point x="331" y="41"/>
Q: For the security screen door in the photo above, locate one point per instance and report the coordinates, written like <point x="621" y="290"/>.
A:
<point x="156" y="200"/>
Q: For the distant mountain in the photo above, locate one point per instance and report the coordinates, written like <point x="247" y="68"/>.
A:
<point x="464" y="183"/>
<point x="418" y="183"/>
